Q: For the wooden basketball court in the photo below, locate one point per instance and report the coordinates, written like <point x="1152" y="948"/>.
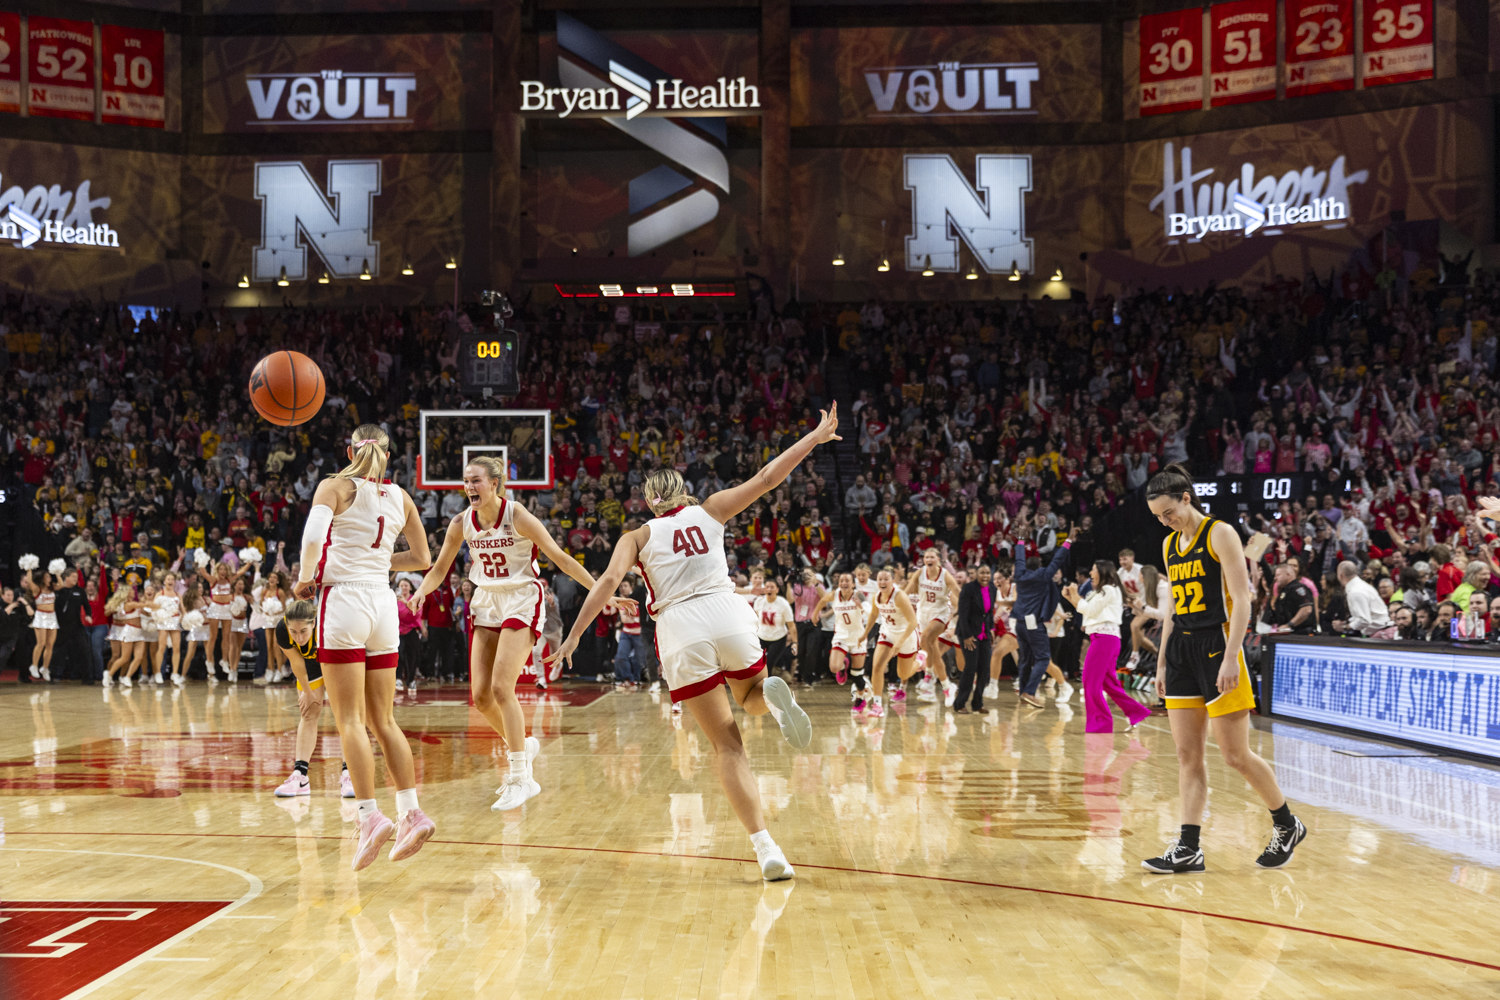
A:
<point x="144" y="855"/>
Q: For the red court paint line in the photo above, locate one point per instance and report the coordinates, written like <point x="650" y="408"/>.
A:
<point x="830" y="868"/>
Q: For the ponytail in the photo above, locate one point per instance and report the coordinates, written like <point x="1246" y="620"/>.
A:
<point x="665" y="490"/>
<point x="1173" y="481"/>
<point x="371" y="447"/>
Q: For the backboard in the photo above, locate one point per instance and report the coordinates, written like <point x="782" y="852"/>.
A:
<point x="520" y="438"/>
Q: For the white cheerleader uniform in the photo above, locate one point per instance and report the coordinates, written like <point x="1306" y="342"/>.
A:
<point x="240" y="622"/>
<point x="45" y="619"/>
<point x="201" y="633"/>
<point x="507" y="592"/>
<point x="891" y="627"/>
<point x="130" y="628"/>
<point x="357" y="618"/>
<point x="116" y="631"/>
<point x="215" y="610"/>
<point x="705" y="633"/>
<point x="173" y="605"/>
<point x="848" y="623"/>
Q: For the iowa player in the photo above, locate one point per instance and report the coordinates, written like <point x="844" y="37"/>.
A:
<point x="297" y="635"/>
<point x="1200" y="670"/>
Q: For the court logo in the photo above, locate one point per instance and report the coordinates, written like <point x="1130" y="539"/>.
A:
<point x="338" y="226"/>
<point x="668" y="201"/>
<point x="952" y="88"/>
<point x="989" y="217"/>
<point x="1247" y="204"/>
<point x="330" y="96"/>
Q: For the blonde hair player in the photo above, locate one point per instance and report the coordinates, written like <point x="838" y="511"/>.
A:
<point x="848" y="627"/>
<point x="898" y="637"/>
<point x="296" y="635"/>
<point x="508" y="608"/>
<point x="348" y="555"/>
<point x="936" y="592"/>
<point x="1200" y="670"/>
<point x="705" y="634"/>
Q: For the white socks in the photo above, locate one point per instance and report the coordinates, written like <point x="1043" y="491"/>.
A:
<point x="367" y="808"/>
<point x="518" y="764"/>
<point x="762" y="840"/>
<point x="406" y="801"/>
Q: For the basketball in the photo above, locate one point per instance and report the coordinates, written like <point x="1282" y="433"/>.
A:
<point x="287" y="388"/>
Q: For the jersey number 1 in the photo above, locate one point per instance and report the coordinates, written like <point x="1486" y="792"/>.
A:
<point x="690" y="542"/>
<point x="379" y="532"/>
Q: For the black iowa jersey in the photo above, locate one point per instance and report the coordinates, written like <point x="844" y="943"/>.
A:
<point x="308" y="650"/>
<point x="1199" y="600"/>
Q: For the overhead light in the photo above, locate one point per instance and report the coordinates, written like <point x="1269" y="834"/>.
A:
<point x="244" y="281"/>
<point x="1057" y="275"/>
<point x="452" y="264"/>
<point x="838" y="258"/>
<point x="927" y="270"/>
<point x="1015" y="272"/>
<point x="973" y="275"/>
<point x="684" y="289"/>
<point x="885" y="265"/>
<point x="407" y="270"/>
<point x="323" y="278"/>
<point x="364" y="272"/>
<point x="282" y="279"/>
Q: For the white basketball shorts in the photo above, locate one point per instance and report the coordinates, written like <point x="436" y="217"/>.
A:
<point x="358" y="621"/>
<point x="518" y="607"/>
<point x="703" y="642"/>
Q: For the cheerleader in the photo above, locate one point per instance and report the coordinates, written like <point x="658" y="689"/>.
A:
<point x="239" y="626"/>
<point x="168" y="615"/>
<point x="195" y="624"/>
<point x="118" y="652"/>
<point x="220" y="586"/>
<point x="268" y="598"/>
<point x="38" y="585"/>
<point x="144" y="639"/>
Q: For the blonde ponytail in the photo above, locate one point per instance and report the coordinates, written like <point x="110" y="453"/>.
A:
<point x="665" y="490"/>
<point x="371" y="452"/>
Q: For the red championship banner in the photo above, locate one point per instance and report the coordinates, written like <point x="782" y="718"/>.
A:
<point x="1320" y="46"/>
<point x="134" y="77"/>
<point x="1242" y="67"/>
<point x="1171" y="62"/>
<point x="61" y="83"/>
<point x="1398" y="41"/>
<point x="10" y="63"/>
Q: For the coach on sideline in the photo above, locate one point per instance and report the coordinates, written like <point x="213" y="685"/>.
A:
<point x="1036" y="599"/>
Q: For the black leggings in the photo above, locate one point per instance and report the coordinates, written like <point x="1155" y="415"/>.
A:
<point x="776" y="653"/>
<point x="411" y="653"/>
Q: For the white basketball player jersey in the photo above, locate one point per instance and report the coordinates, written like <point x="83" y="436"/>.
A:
<point x="683" y="559"/>
<point x="848" y="616"/>
<point x="502" y="556"/>
<point x="361" y="539"/>
<point x="933" y="595"/>
<point x="891" y="622"/>
<point x="867" y="590"/>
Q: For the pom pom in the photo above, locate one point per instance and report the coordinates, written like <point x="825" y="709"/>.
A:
<point x="201" y="559"/>
<point x="28" y="562"/>
<point x="193" y="619"/>
<point x="237" y="606"/>
<point x="162" y="616"/>
<point x="250" y="554"/>
<point x="271" y="607"/>
<point x="57" y="566"/>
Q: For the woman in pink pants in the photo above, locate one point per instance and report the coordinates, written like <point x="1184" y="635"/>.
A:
<point x="1102" y="611"/>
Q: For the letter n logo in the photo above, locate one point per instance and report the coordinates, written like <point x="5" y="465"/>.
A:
<point x="945" y="209"/>
<point x="294" y="210"/>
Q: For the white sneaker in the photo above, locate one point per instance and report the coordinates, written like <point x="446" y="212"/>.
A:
<point x="36" y="674"/>
<point x="156" y="679"/>
<point x="399" y="685"/>
<point x="179" y="680"/>
<point x="533" y="747"/>
<point x="1065" y="692"/>
<point x="1135" y="657"/>
<point x="47" y="674"/>
<point x="794" y="723"/>
<point x="773" y="864"/>
<point x="295" y="784"/>
<point x="950" y="691"/>
<point x="992" y="690"/>
<point x="126" y="682"/>
<point x="234" y="675"/>
<point x="346" y="786"/>
<point x="209" y="664"/>
<point x="515" y="791"/>
<point x="108" y="680"/>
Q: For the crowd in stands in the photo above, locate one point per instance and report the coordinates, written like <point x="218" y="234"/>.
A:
<point x="968" y="426"/>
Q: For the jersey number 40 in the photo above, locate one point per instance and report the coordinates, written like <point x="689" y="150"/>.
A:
<point x="689" y="541"/>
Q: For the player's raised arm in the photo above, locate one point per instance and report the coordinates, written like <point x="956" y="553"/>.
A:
<point x="727" y="503"/>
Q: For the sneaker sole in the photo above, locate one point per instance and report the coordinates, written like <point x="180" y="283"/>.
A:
<point x="497" y="807"/>
<point x="364" y="858"/>
<point x="795" y="725"/>
<point x="1173" y="871"/>
<point x="294" y="795"/>
<point x="402" y="852"/>
<point x="780" y="871"/>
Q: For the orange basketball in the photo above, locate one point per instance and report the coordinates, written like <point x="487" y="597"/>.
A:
<point x="287" y="388"/>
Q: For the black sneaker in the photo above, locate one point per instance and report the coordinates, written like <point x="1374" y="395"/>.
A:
<point x="1284" y="841"/>
<point x="1177" y="859"/>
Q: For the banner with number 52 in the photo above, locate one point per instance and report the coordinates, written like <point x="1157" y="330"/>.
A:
<point x="134" y="82"/>
<point x="1397" y="41"/>
<point x="1320" y="46"/>
<point x="61" y="74"/>
<point x="1243" y="65"/>
<point x="10" y="62"/>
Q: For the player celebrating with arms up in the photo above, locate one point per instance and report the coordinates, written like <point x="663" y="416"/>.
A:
<point x="348" y="556"/>
<point x="705" y="634"/>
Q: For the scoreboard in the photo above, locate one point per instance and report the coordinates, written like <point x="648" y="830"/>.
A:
<point x="487" y="363"/>
<point x="1229" y="496"/>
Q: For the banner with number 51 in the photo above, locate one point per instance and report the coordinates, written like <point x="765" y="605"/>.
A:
<point x="1397" y="41"/>
<point x="134" y="81"/>
<point x="61" y="70"/>
<point x="1243" y="65"/>
<point x="1319" y="47"/>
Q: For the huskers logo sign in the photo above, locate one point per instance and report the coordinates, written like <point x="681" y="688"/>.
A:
<point x="339" y="226"/>
<point x="988" y="217"/>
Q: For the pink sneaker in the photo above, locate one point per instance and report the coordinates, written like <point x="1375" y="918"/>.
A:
<point x="899" y="694"/>
<point x="346" y="786"/>
<point x="373" y="833"/>
<point x="841" y="677"/>
<point x="875" y="708"/>
<point x="415" y="830"/>
<point x="295" y="784"/>
<point x="859" y="705"/>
